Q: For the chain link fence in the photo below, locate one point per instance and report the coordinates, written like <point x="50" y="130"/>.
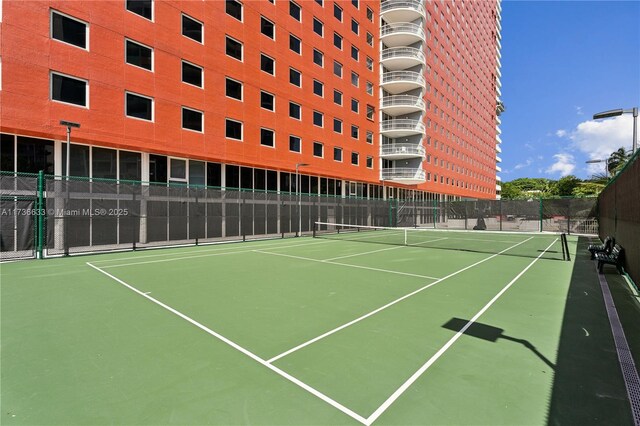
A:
<point x="55" y="216"/>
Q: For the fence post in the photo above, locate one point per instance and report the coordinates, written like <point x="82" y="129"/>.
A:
<point x="540" y="214"/>
<point x="40" y="217"/>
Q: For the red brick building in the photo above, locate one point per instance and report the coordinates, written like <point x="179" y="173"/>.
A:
<point x="361" y="96"/>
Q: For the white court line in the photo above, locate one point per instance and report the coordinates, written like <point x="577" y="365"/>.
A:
<point x="335" y="330"/>
<point x="239" y="348"/>
<point x="385" y="249"/>
<point x="372" y="418"/>
<point x="216" y="253"/>
<point x="388" y="271"/>
<point x="219" y="247"/>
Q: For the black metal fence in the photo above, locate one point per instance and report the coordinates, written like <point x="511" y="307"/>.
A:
<point x="55" y="216"/>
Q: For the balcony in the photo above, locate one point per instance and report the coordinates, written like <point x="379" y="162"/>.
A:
<point x="401" y="34"/>
<point x="401" y="127"/>
<point x="402" y="104"/>
<point x="402" y="10"/>
<point x="498" y="187"/>
<point x="498" y="179"/>
<point x="498" y="168"/>
<point x="498" y="159"/>
<point x="407" y="176"/>
<point x="402" y="81"/>
<point x="401" y="151"/>
<point x="400" y="58"/>
<point x="498" y="149"/>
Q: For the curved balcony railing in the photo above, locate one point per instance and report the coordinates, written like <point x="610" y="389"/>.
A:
<point x="406" y="33"/>
<point x="404" y="174"/>
<point x="398" y="9"/>
<point x="406" y="101"/>
<point x="403" y="52"/>
<point x="404" y="125"/>
<point x="405" y="150"/>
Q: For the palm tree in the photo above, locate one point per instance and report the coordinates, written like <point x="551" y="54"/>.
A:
<point x="617" y="160"/>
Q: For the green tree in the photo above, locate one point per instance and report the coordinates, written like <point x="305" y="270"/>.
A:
<point x="510" y="191"/>
<point x="588" y="188"/>
<point x="566" y="185"/>
<point x="616" y="161"/>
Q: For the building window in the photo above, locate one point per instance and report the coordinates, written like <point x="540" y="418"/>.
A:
<point x="337" y="97"/>
<point x="177" y="170"/>
<point x="295" y="77"/>
<point x="355" y="78"/>
<point x="318" y="119"/>
<point x="369" y="162"/>
<point x="370" y="112"/>
<point x="234" y="48"/>
<point x="355" y="53"/>
<point x="369" y="63"/>
<point x="267" y="101"/>
<point x="139" y="55"/>
<point x="295" y="44"/>
<point x="295" y="11"/>
<point x="355" y="27"/>
<point x="369" y="88"/>
<point x="355" y="132"/>
<point x="295" y="111"/>
<point x="355" y="3"/>
<point x="267" y="27"/>
<point x="143" y="8"/>
<point x="233" y="129"/>
<point x="192" y="28"/>
<point x="295" y="144"/>
<point x="318" y="88"/>
<point x="104" y="163"/>
<point x="234" y="8"/>
<point x="192" y="119"/>
<point x="157" y="168"/>
<point x="337" y="154"/>
<point x="337" y="11"/>
<point x="369" y="14"/>
<point x="369" y="38"/>
<point x="69" y="90"/>
<point x="130" y="165"/>
<point x="337" y="125"/>
<point x="369" y="137"/>
<point x="337" y="40"/>
<point x="267" y="64"/>
<point x="355" y="158"/>
<point x="318" y="149"/>
<point x="233" y="89"/>
<point x="69" y="30"/>
<point x="191" y="74"/>
<point x="320" y="2"/>
<point x="318" y="27"/>
<point x="337" y="69"/>
<point x="318" y="57"/>
<point x="267" y="137"/>
<point x="355" y="105"/>
<point x="138" y="106"/>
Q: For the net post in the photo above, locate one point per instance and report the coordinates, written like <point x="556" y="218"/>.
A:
<point x="315" y="227"/>
<point x="566" y="247"/>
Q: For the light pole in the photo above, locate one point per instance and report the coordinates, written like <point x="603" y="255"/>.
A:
<point x="70" y="125"/>
<point x="606" y="165"/>
<point x="620" y="111"/>
<point x="298" y="165"/>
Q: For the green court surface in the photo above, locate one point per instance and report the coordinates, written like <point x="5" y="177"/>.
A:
<point x="310" y="331"/>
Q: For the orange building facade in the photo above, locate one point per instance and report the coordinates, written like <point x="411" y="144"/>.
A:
<point x="363" y="98"/>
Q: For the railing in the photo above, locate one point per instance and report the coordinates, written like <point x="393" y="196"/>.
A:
<point x="402" y="124"/>
<point x="403" y="101"/>
<point x="403" y="52"/>
<point x="396" y="76"/>
<point x="403" y="173"/>
<point x="402" y="148"/>
<point x="416" y="5"/>
<point x="402" y="27"/>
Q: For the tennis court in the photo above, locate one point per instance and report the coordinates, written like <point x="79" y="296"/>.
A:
<point x="347" y="328"/>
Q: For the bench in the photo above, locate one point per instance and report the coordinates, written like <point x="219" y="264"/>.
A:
<point x="609" y="242"/>
<point x="616" y="257"/>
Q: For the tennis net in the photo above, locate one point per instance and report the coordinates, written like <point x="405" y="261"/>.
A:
<point x="544" y="245"/>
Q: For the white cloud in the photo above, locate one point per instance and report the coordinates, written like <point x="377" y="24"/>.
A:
<point x="561" y="133"/>
<point x="579" y="110"/>
<point x="564" y="164"/>
<point x="523" y="165"/>
<point x="598" y="139"/>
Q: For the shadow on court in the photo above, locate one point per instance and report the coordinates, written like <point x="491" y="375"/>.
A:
<point x="491" y="334"/>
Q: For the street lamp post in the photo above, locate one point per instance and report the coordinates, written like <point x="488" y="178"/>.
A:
<point x="620" y="111"/>
<point x="606" y="165"/>
<point x="69" y="125"/>
<point x="298" y="165"/>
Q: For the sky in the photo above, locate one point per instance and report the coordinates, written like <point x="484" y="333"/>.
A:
<point x="562" y="62"/>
